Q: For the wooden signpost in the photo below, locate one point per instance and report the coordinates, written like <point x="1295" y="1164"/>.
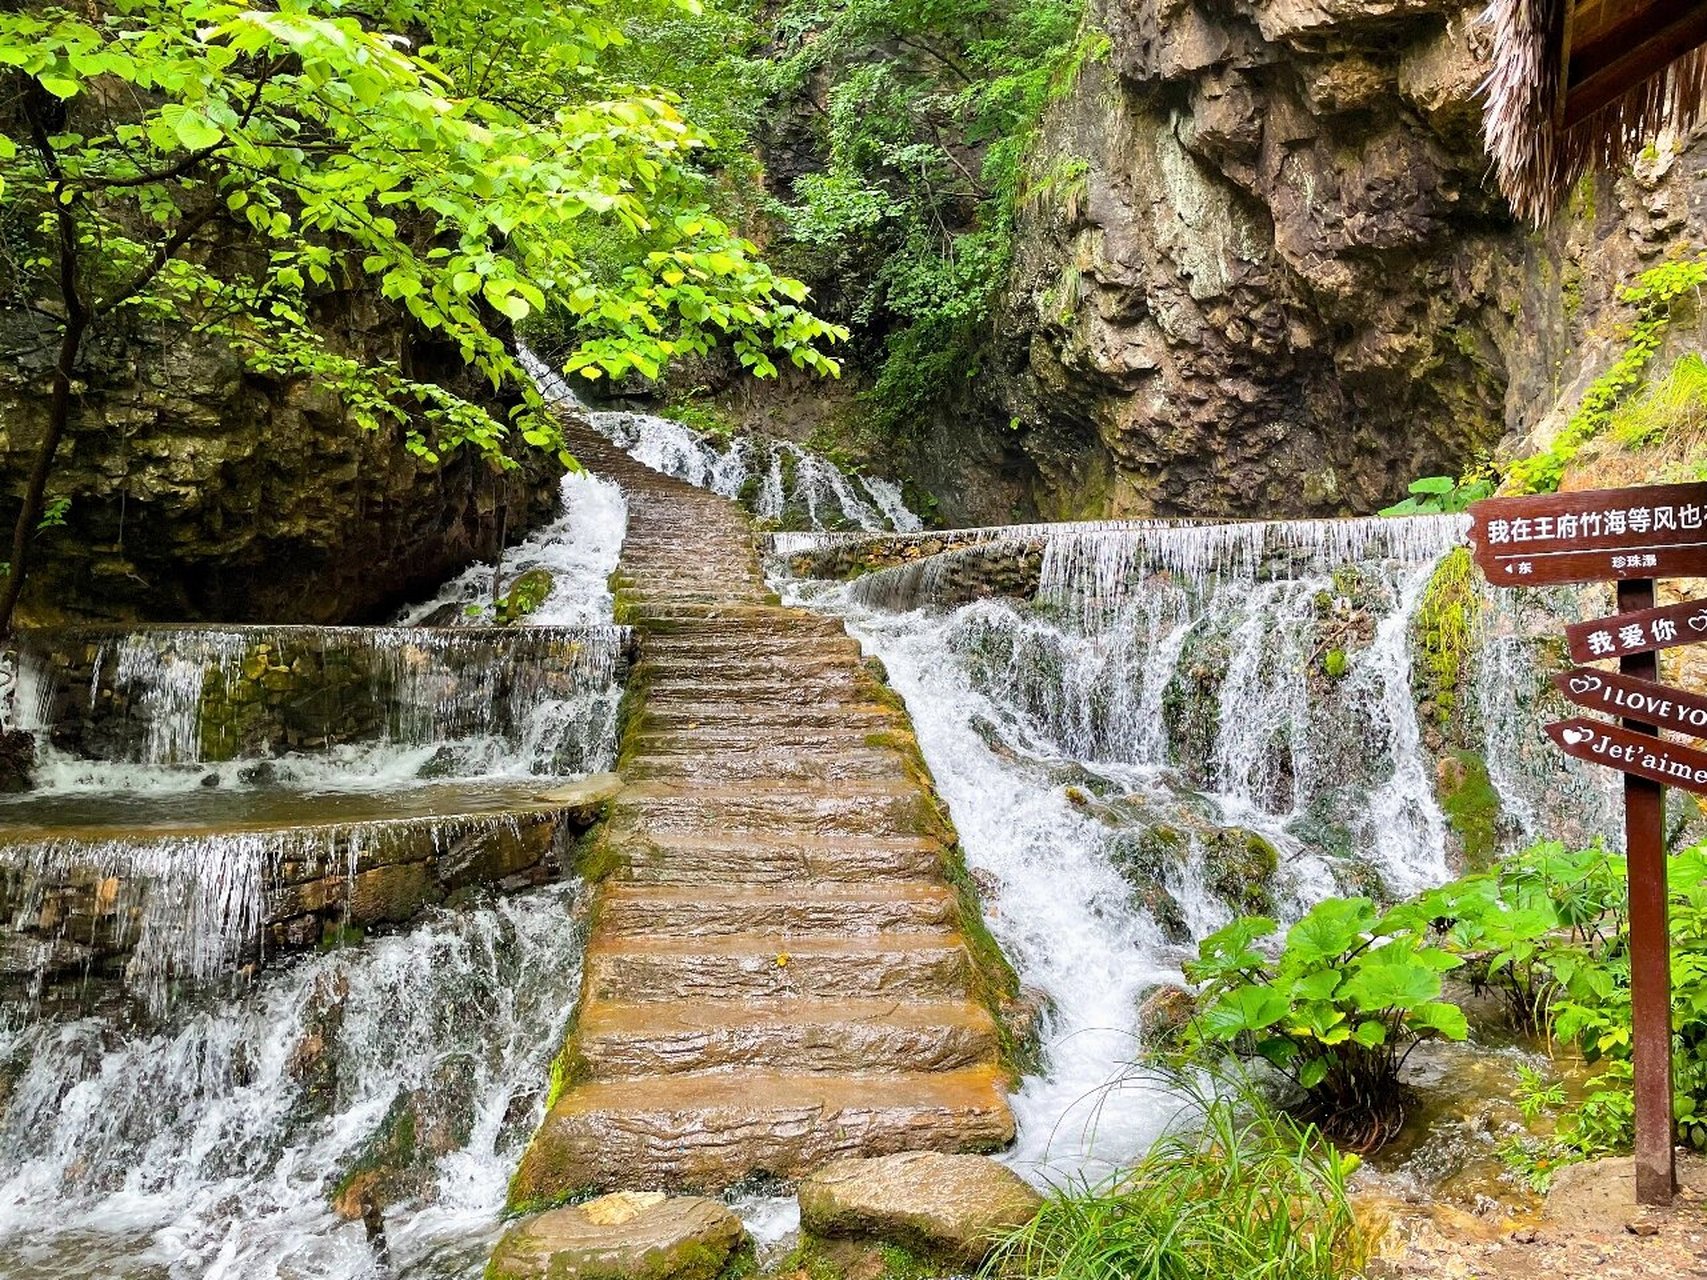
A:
<point x="1630" y="537"/>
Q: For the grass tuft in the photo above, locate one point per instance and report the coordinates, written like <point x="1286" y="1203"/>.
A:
<point x="1233" y="1190"/>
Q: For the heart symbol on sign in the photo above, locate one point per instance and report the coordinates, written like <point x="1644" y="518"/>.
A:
<point x="1699" y="621"/>
<point x="1583" y="684"/>
<point x="1574" y="736"/>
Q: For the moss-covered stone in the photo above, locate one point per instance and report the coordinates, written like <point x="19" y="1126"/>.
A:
<point x="1471" y="805"/>
<point x="1239" y="867"/>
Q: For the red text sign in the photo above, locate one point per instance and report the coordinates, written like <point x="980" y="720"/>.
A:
<point x="1645" y="700"/>
<point x="1638" y="631"/>
<point x="1596" y="535"/>
<point x="1638" y="753"/>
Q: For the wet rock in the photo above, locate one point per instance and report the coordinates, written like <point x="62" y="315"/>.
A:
<point x="1594" y="1195"/>
<point x="524" y="596"/>
<point x="955" y="1208"/>
<point x="17" y="760"/>
<point x="1163" y="1013"/>
<point x="628" y="1235"/>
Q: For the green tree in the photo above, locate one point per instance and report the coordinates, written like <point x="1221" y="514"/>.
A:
<point x="227" y="166"/>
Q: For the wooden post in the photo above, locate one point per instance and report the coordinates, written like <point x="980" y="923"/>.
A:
<point x="1650" y="943"/>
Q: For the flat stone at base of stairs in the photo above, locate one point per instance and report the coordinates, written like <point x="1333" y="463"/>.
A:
<point x="628" y="1235"/>
<point x="706" y="1132"/>
<point x="953" y="1208"/>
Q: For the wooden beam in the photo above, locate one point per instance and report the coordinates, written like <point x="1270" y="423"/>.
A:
<point x="1642" y="45"/>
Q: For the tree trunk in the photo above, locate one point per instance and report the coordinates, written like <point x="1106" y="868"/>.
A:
<point x="35" y="493"/>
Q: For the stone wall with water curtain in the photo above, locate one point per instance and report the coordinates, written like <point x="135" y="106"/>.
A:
<point x="177" y="695"/>
<point x="1342" y="695"/>
<point x="155" y="909"/>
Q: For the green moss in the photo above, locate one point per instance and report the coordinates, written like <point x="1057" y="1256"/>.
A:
<point x="1472" y="808"/>
<point x="392" y="1147"/>
<point x="335" y="937"/>
<point x="1447" y="621"/>
<point x="525" y="596"/>
<point x="1239" y="867"/>
<point x="1657" y="297"/>
<point x="1335" y="663"/>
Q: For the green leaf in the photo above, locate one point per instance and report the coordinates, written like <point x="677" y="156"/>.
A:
<point x="1330" y="928"/>
<point x="1391" y="986"/>
<point x="1447" y="1019"/>
<point x="1245" y="1009"/>
<point x="60" y="86"/>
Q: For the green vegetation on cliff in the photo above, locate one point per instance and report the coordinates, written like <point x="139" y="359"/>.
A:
<point x="242" y="171"/>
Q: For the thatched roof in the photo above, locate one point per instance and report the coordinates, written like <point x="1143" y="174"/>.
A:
<point x="1581" y="83"/>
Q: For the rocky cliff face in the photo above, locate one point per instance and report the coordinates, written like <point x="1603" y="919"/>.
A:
<point x="1270" y="276"/>
<point x="200" y="491"/>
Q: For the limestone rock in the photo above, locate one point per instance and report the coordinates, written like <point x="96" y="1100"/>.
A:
<point x="950" y="1207"/>
<point x="628" y="1235"/>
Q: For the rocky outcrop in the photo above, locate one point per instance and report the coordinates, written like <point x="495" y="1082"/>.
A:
<point x="1271" y="277"/>
<point x="200" y="490"/>
<point x="952" y="1209"/>
<point x="628" y="1235"/>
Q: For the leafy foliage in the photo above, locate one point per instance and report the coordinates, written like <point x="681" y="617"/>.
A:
<point x="1231" y="1189"/>
<point x="241" y="170"/>
<point x="1350" y="994"/>
<point x="1442" y="495"/>
<point x="339" y="149"/>
<point x="929" y="112"/>
<point x="1657" y="297"/>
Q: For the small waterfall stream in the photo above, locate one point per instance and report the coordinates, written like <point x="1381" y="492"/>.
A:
<point x="1165" y="724"/>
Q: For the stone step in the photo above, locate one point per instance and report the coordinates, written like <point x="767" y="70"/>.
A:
<point x="835" y="689"/>
<point x="696" y="911"/>
<point x="707" y="1132"/>
<point x="734" y="664"/>
<point x="682" y="759"/>
<point x="800" y="1036"/>
<point x="715" y="739"/>
<point x="770" y="647"/>
<point x="687" y="858"/>
<point x="907" y="966"/>
<point x="669" y="715"/>
<point x="855" y="807"/>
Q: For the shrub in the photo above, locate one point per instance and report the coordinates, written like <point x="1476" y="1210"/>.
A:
<point x="1231" y="1189"/>
<point x="1338" y="1011"/>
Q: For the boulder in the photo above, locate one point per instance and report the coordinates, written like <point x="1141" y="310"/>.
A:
<point x="953" y="1208"/>
<point x="628" y="1235"/>
<point x="17" y="759"/>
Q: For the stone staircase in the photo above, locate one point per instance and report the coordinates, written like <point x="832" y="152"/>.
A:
<point x="782" y="970"/>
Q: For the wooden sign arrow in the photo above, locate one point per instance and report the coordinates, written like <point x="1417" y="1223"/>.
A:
<point x="1632" y="752"/>
<point x="1645" y="700"/>
<point x="1639" y="631"/>
<point x="1593" y="535"/>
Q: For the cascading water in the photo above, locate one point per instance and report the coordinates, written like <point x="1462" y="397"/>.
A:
<point x="1166" y="724"/>
<point x="215" y="1145"/>
<point x="779" y="481"/>
<point x="269" y="1128"/>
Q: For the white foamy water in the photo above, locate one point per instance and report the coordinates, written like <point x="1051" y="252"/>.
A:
<point x="579" y="549"/>
<point x="776" y="479"/>
<point x="1166" y="697"/>
<point x="210" y="1146"/>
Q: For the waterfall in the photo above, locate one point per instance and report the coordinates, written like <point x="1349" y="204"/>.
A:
<point x="777" y="479"/>
<point x="212" y="1145"/>
<point x="365" y="703"/>
<point x="1142" y="728"/>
